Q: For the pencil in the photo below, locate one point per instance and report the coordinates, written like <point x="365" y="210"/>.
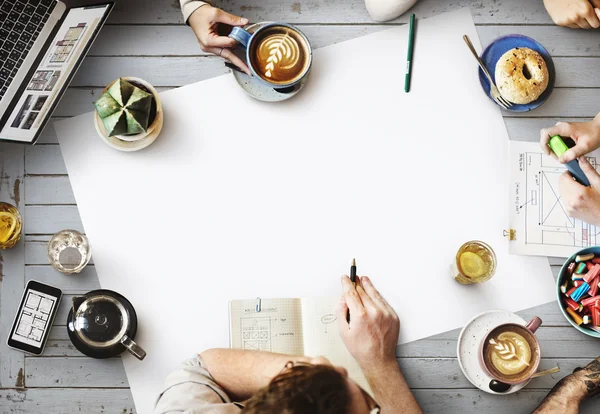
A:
<point x="409" y="55"/>
<point x="353" y="280"/>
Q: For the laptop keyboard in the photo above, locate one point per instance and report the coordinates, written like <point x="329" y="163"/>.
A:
<point x="20" y="24"/>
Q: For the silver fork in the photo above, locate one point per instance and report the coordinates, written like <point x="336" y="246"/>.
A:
<point x="500" y="100"/>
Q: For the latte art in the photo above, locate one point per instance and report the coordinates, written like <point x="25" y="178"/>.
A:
<point x="280" y="55"/>
<point x="510" y="353"/>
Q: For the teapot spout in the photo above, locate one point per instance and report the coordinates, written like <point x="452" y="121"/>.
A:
<point x="77" y="301"/>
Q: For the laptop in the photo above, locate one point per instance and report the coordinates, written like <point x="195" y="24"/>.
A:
<point x="42" y="44"/>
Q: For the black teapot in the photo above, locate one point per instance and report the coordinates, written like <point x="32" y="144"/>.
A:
<point x="103" y="324"/>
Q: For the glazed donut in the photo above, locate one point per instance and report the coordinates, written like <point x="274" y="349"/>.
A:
<point x="521" y="75"/>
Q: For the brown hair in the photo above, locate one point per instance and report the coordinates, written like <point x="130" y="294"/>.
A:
<point x="303" y="389"/>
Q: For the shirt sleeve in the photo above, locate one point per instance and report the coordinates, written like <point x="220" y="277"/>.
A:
<point x="191" y="389"/>
<point x="188" y="7"/>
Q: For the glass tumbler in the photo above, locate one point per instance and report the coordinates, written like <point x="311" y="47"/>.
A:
<point x="11" y="225"/>
<point x="69" y="251"/>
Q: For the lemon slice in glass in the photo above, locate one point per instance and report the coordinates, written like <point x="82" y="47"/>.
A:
<point x="8" y="223"/>
<point x="472" y="264"/>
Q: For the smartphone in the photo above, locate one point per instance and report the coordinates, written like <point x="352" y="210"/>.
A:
<point x="34" y="318"/>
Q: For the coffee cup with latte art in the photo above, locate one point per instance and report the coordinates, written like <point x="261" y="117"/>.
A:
<point x="278" y="54"/>
<point x="511" y="352"/>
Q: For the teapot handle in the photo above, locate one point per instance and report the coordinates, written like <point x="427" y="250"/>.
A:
<point x="132" y="347"/>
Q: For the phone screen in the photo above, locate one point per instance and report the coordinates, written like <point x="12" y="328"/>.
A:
<point x="34" y="317"/>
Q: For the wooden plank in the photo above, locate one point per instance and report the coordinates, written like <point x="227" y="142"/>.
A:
<point x="75" y="373"/>
<point x="68" y="401"/>
<point x="182" y="70"/>
<point x="155" y="40"/>
<point x="48" y="135"/>
<point x="12" y="262"/>
<point x="475" y="401"/>
<point x="59" y="344"/>
<point x="83" y="282"/>
<point x="49" y="190"/>
<point x="446" y="373"/>
<point x="528" y="129"/>
<point x="52" y="219"/>
<point x="330" y="11"/>
<point x="36" y="253"/>
<point x="554" y="343"/>
<point x="44" y="159"/>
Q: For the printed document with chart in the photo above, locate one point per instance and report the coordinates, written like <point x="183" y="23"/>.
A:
<point x="537" y="212"/>
<point x="293" y="326"/>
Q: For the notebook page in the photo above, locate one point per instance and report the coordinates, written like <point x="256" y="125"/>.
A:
<point x="276" y="328"/>
<point x="322" y="338"/>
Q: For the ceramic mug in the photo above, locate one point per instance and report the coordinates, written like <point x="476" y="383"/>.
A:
<point x="507" y="352"/>
<point x="292" y="45"/>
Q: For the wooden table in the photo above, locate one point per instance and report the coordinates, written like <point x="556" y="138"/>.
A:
<point x="146" y="38"/>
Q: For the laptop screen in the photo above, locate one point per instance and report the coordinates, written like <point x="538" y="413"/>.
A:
<point x="47" y="83"/>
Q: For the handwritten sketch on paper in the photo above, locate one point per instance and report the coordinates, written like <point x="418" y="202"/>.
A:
<point x="537" y="212"/>
<point x="306" y="326"/>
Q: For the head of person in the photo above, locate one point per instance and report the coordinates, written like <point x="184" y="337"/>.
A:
<point x="316" y="387"/>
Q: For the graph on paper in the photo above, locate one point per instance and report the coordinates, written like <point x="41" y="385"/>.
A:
<point x="537" y="211"/>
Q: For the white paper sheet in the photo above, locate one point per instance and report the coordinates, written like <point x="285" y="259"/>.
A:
<point x="537" y="211"/>
<point x="239" y="198"/>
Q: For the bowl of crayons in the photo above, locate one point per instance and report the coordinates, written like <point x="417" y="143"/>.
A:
<point x="579" y="291"/>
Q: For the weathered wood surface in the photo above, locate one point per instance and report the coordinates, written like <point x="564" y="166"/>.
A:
<point x="146" y="38"/>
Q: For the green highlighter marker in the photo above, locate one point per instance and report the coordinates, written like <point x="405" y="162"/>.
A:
<point x="559" y="147"/>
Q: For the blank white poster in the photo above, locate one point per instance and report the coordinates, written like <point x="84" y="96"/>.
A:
<point x="238" y="198"/>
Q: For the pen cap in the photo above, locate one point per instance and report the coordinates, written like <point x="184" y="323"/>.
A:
<point x="557" y="145"/>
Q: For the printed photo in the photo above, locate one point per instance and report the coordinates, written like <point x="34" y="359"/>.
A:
<point x="22" y="112"/>
<point x="39" y="80"/>
<point x="30" y="120"/>
<point x="41" y="100"/>
<point x="53" y="80"/>
<point x="65" y="46"/>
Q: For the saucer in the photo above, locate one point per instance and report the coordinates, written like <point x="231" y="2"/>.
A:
<point x="468" y="348"/>
<point x="255" y="88"/>
<point x="501" y="45"/>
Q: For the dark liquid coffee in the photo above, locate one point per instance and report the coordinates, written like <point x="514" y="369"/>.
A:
<point x="280" y="55"/>
<point x="510" y="353"/>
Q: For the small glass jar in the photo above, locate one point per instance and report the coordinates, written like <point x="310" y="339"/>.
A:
<point x="69" y="251"/>
<point x="475" y="262"/>
<point x="11" y="225"/>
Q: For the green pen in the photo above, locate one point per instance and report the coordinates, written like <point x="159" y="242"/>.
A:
<point x="409" y="55"/>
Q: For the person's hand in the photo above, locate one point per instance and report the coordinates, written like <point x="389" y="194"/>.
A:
<point x="206" y="22"/>
<point x="575" y="14"/>
<point x="582" y="202"/>
<point x="585" y="134"/>
<point x="372" y="334"/>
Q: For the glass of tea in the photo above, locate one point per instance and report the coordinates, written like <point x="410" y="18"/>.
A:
<point x="69" y="251"/>
<point x="475" y="262"/>
<point x="11" y="225"/>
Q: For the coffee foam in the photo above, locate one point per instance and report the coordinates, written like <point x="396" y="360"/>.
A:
<point x="510" y="353"/>
<point x="280" y="55"/>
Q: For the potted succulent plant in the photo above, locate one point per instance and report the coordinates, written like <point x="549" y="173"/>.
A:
<point x="128" y="114"/>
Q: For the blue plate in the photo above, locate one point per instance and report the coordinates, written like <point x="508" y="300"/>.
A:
<point x="503" y="44"/>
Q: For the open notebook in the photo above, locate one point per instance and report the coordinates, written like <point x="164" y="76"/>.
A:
<point x="306" y="326"/>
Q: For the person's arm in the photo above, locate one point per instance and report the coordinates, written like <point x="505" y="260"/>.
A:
<point x="242" y="373"/>
<point x="576" y="14"/>
<point x="371" y="337"/>
<point x="572" y="390"/>
<point x="188" y="7"/>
